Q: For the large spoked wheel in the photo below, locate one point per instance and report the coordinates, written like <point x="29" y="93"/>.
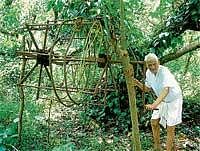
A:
<point x="87" y="70"/>
<point x="74" y="49"/>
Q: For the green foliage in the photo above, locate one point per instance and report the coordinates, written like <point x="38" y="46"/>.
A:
<point x="95" y="142"/>
<point x="187" y="74"/>
<point x="69" y="146"/>
<point x="191" y="118"/>
<point x="10" y="17"/>
<point x="8" y="48"/>
<point x="111" y="110"/>
<point x="146" y="140"/>
<point x="57" y="5"/>
<point x="110" y="114"/>
<point x="185" y="18"/>
<point x="8" y="124"/>
<point x="163" y="9"/>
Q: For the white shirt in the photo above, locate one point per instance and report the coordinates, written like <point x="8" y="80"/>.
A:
<point x="163" y="78"/>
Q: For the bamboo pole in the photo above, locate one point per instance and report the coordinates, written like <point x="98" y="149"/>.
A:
<point x="21" y="110"/>
<point x="128" y="72"/>
<point x="21" y="94"/>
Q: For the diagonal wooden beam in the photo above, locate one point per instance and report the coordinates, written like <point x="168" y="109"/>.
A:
<point x="32" y="37"/>
<point x="28" y="74"/>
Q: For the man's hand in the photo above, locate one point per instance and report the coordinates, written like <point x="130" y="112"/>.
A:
<point x="151" y="106"/>
<point x="141" y="85"/>
<point x="136" y="81"/>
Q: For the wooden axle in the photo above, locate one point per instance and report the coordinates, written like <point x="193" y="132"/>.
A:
<point x="58" y="59"/>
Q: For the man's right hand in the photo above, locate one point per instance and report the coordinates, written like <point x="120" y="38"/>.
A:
<point x="141" y="85"/>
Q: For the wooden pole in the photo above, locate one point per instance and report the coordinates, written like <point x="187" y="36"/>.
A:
<point x="21" y="94"/>
<point x="128" y="72"/>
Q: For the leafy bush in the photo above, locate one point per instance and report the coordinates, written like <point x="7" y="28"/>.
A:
<point x="113" y="112"/>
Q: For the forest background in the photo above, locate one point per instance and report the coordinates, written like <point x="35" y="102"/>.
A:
<point x="169" y="28"/>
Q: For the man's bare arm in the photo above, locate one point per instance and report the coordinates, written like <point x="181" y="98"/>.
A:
<point x="160" y="98"/>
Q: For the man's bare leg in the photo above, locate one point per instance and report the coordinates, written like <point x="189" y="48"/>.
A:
<point x="156" y="134"/>
<point x="170" y="138"/>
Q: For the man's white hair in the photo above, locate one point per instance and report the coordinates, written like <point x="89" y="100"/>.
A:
<point x="150" y="56"/>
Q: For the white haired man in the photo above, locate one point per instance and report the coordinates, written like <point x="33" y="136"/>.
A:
<point x="167" y="108"/>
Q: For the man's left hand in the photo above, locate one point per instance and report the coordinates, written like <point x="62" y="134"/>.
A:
<point x="151" y="106"/>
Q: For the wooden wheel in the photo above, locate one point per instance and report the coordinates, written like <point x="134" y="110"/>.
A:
<point x="70" y="48"/>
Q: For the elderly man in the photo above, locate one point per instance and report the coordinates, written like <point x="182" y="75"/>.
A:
<point x="167" y="108"/>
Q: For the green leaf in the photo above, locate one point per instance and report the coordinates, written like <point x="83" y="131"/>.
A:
<point x="59" y="5"/>
<point x="2" y="148"/>
<point x="116" y="111"/>
<point x="69" y="147"/>
<point x="50" y="4"/>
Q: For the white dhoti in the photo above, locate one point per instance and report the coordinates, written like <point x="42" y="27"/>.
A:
<point x="169" y="113"/>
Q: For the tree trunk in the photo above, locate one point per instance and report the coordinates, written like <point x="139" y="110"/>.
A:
<point x="128" y="72"/>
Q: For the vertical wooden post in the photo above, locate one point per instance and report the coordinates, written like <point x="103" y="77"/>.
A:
<point x="129" y="75"/>
<point x="21" y="109"/>
<point x="21" y="94"/>
<point x="49" y="121"/>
